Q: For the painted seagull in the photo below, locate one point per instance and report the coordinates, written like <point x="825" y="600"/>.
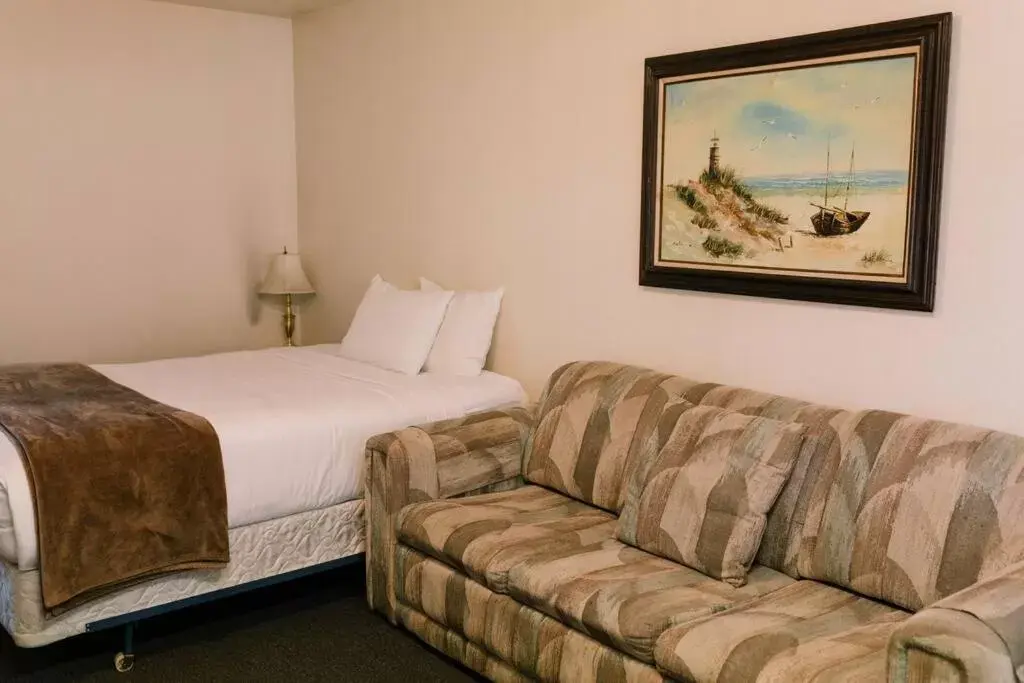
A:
<point x="873" y="101"/>
<point x="760" y="144"/>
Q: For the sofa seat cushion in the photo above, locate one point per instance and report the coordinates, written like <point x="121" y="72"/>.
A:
<point x="806" y="631"/>
<point x="625" y="597"/>
<point x="483" y="536"/>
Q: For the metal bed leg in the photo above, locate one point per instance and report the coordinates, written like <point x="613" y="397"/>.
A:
<point x="125" y="659"/>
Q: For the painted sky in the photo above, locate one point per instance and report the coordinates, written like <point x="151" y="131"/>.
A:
<point x="780" y="123"/>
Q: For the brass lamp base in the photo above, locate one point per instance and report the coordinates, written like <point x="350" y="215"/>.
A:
<point x="289" y="320"/>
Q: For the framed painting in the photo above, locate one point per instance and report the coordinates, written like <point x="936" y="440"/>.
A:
<point x="802" y="168"/>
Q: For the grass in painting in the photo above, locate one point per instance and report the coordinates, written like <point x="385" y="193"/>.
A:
<point x="723" y="177"/>
<point x="723" y="205"/>
<point x="721" y="246"/>
<point x="687" y="195"/>
<point x="704" y="221"/>
<point x="875" y="257"/>
<point x="726" y="178"/>
<point x="767" y="213"/>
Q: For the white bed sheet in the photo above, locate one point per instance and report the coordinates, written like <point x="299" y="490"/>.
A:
<point x="292" y="422"/>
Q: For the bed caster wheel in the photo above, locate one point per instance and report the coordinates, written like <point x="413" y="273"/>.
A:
<point x="124" y="663"/>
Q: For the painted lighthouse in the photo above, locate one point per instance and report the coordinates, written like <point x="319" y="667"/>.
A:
<point x="713" y="157"/>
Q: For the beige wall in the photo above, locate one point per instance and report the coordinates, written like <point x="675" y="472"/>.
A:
<point x="147" y="173"/>
<point x="280" y="8"/>
<point x="486" y="143"/>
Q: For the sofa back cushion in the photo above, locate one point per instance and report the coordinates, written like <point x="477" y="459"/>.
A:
<point x="909" y="510"/>
<point x="703" y="498"/>
<point x="780" y="545"/>
<point x="595" y="421"/>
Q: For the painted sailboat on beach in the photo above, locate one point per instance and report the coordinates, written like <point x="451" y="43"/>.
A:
<point x="831" y="221"/>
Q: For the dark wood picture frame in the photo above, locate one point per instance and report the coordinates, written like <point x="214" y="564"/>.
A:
<point x="933" y="36"/>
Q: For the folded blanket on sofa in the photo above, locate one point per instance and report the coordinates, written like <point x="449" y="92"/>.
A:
<point x="125" y="488"/>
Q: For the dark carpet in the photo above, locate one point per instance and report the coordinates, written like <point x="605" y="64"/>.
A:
<point x="314" y="629"/>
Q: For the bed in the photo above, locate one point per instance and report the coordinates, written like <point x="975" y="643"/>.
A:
<point x="292" y="425"/>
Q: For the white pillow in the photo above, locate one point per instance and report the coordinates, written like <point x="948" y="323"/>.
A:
<point x="465" y="336"/>
<point x="393" y="328"/>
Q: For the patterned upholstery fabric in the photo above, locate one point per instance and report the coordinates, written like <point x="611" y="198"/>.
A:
<point x="780" y="544"/>
<point x="458" y="648"/>
<point x="552" y="652"/>
<point x="939" y="644"/>
<point x="473" y="454"/>
<point x="484" y="536"/>
<point x="704" y="497"/>
<point x="805" y="632"/>
<point x="595" y="422"/>
<point x="781" y="541"/>
<point x="916" y="513"/>
<point x="927" y="669"/>
<point x="624" y="597"/>
<point x="998" y="602"/>
<point x="979" y="630"/>
<point x="916" y="510"/>
<point x="536" y="645"/>
<point x="449" y="597"/>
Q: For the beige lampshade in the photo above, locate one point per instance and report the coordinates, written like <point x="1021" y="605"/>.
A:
<point x="285" y="276"/>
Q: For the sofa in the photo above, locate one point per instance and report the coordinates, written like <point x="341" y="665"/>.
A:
<point x="543" y="542"/>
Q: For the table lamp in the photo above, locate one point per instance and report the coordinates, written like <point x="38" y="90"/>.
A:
<point x="285" y="276"/>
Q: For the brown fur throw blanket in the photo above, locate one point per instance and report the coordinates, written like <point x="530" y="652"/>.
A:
<point x="125" y="488"/>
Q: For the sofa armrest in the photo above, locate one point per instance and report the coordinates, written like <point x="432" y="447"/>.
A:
<point x="477" y="453"/>
<point x="976" y="634"/>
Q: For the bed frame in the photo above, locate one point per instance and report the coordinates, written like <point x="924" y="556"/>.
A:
<point x="125" y="659"/>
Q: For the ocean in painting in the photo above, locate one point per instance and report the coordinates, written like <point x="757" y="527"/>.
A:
<point x="799" y="183"/>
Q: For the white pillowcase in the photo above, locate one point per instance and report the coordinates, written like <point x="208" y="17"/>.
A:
<point x="393" y="328"/>
<point x="465" y="335"/>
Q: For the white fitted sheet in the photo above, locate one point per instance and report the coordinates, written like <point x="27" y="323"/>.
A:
<point x="292" y="424"/>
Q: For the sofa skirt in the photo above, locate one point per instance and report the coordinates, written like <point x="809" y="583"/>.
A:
<point x="458" y="648"/>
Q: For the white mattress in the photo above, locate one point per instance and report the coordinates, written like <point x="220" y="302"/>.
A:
<point x="292" y="424"/>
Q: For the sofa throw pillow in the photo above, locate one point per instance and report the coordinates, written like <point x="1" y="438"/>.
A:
<point x="465" y="337"/>
<point x="393" y="328"/>
<point x="704" y="497"/>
